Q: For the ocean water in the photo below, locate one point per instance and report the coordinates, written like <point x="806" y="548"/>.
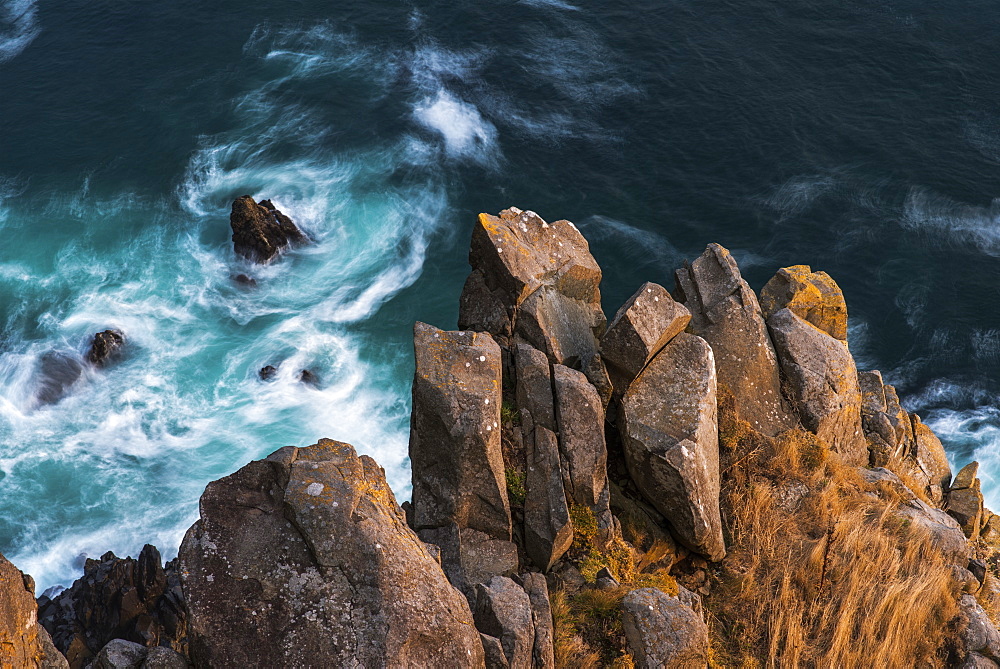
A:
<point x="862" y="138"/>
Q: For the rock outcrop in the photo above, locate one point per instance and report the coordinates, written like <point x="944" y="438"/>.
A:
<point x="582" y="450"/>
<point x="726" y="314"/>
<point x="106" y="348"/>
<point x="640" y="329"/>
<point x="24" y="644"/>
<point x="536" y="280"/>
<point x="670" y="438"/>
<point x="311" y="545"/>
<point x="965" y="500"/>
<point x="260" y="230"/>
<point x="823" y="383"/>
<point x="812" y="296"/>
<point x="138" y="601"/>
<point x="455" y="453"/>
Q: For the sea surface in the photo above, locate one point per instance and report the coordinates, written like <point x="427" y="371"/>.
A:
<point x="859" y="137"/>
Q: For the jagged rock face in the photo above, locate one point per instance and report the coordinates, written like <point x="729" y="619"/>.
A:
<point x="455" y="450"/>
<point x="534" y="385"/>
<point x="823" y="383"/>
<point x="469" y="557"/>
<point x="642" y="326"/>
<point x="305" y="559"/>
<point x="980" y="638"/>
<point x="931" y="459"/>
<point x="117" y="598"/>
<point x="260" y="230"/>
<point x="537" y="280"/>
<point x="24" y="644"/>
<point x="583" y="452"/>
<point x="670" y="437"/>
<point x="725" y="313"/>
<point x="662" y="632"/>
<point x="503" y="611"/>
<point x="812" y="296"/>
<point x="106" y="347"/>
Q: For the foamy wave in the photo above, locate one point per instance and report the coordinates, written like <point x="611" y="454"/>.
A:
<point x="18" y="27"/>
<point x="953" y="221"/>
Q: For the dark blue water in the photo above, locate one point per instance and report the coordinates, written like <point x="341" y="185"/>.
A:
<point x="860" y="138"/>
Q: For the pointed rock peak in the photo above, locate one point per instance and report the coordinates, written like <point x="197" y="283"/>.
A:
<point x="260" y="230"/>
<point x="966" y="476"/>
<point x="813" y="296"/>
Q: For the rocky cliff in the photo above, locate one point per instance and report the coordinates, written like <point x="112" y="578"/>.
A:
<point x="705" y="480"/>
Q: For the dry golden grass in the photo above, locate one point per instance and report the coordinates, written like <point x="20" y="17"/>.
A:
<point x="819" y="573"/>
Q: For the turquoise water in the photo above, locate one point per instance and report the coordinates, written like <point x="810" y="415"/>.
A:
<point x="861" y="139"/>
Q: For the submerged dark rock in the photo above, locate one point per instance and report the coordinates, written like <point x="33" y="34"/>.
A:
<point x="106" y="348"/>
<point x="260" y="230"/>
<point x="245" y="281"/>
<point x="267" y="372"/>
<point x="57" y="371"/>
<point x="309" y="378"/>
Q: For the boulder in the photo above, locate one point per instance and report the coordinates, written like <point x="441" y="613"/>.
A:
<point x="106" y="348"/>
<point x="120" y="654"/>
<point x="597" y="374"/>
<point x="537" y="280"/>
<point x="548" y="532"/>
<point x="534" y="385"/>
<point x="260" y="230"/>
<point x="725" y="313"/>
<point x="493" y="650"/>
<point x="134" y="600"/>
<point x="642" y="326"/>
<point x="823" y="384"/>
<point x="161" y="657"/>
<point x="980" y="635"/>
<point x="931" y="458"/>
<point x="455" y="451"/>
<point x="503" y="610"/>
<point x="542" y="653"/>
<point x="671" y="441"/>
<point x="309" y="551"/>
<point x="583" y="452"/>
<point x="24" y="644"/>
<point x="966" y="476"/>
<point x="966" y="506"/>
<point x="812" y="296"/>
<point x="662" y="632"/>
<point x="267" y="373"/>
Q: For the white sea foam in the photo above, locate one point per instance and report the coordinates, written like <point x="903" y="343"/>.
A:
<point x="952" y="221"/>
<point x="18" y="27"/>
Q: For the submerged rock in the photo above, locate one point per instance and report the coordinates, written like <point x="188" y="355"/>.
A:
<point x="57" y="371"/>
<point x="106" y="348"/>
<point x="260" y="230"/>
<point x="309" y="378"/>
<point x="267" y="372"/>
<point x="305" y="559"/>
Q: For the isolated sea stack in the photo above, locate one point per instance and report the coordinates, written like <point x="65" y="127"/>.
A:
<point x="708" y="480"/>
<point x="260" y="230"/>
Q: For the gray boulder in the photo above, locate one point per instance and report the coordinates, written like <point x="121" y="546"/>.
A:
<point x="534" y="385"/>
<point x="663" y="633"/>
<point x="161" y="657"/>
<point x="980" y="636"/>
<point x="725" y="313"/>
<point x="548" y="532"/>
<point x="542" y="653"/>
<point x="823" y="383"/>
<point x="455" y="451"/>
<point x="671" y="441"/>
<point x="584" y="454"/>
<point x="469" y="557"/>
<point x="309" y="551"/>
<point x="642" y="326"/>
<point x="120" y="654"/>
<point x="503" y="610"/>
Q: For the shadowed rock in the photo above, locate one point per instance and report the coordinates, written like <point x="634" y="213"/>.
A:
<point x="260" y="231"/>
<point x="671" y="441"/>
<point x="138" y="601"/>
<point x="541" y="617"/>
<point x="823" y="383"/>
<point x="267" y="373"/>
<point x="582" y="449"/>
<point x="457" y="464"/>
<point x="57" y="371"/>
<point x="548" y="532"/>
<point x="305" y="559"/>
<point x="725" y="313"/>
<point x="503" y="610"/>
<point x="812" y="296"/>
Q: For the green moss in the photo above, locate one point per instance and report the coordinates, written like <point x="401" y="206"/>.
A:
<point x="617" y="555"/>
<point x="509" y="414"/>
<point x="515" y="487"/>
